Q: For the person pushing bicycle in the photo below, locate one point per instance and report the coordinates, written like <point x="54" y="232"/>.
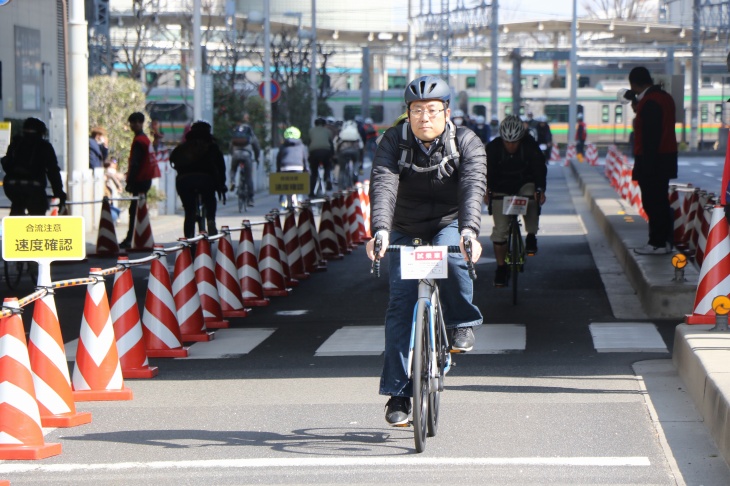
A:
<point x="428" y="181"/>
<point x="516" y="166"/>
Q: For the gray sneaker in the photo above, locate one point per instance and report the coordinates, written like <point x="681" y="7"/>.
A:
<point x="462" y="340"/>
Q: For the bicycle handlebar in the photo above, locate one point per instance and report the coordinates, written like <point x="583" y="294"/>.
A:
<point x="375" y="266"/>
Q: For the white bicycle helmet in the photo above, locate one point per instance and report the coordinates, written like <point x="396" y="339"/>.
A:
<point x="511" y="129"/>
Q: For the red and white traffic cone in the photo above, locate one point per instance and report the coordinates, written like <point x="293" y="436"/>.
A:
<point x="714" y="276"/>
<point x="339" y="215"/>
<point x="279" y="232"/>
<point x="226" y="278"/>
<point x="691" y="204"/>
<point x="352" y="226"/>
<point x="309" y="254"/>
<point x="555" y="153"/>
<point x="21" y="433"/>
<point x="292" y="247"/>
<point x="187" y="301"/>
<point x="207" y="287"/>
<point x="98" y="373"/>
<point x="248" y="269"/>
<point x="328" y="238"/>
<point x="143" y="240"/>
<point x="272" y="273"/>
<point x="309" y="215"/>
<point x="128" y="326"/>
<point x="159" y="320"/>
<point x="106" y="241"/>
<point x="677" y="215"/>
<point x="364" y="208"/>
<point x="702" y="227"/>
<point x="50" y="371"/>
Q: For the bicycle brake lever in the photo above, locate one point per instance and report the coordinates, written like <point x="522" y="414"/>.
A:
<point x="469" y="262"/>
<point x="375" y="267"/>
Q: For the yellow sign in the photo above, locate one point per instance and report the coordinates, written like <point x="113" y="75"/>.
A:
<point x="44" y="238"/>
<point x="289" y="183"/>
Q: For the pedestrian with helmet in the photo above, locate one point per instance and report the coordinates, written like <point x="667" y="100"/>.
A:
<point x="428" y="181"/>
<point x="516" y="167"/>
<point x="293" y="156"/>
<point x="29" y="161"/>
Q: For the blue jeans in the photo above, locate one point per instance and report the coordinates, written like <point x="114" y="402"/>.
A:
<point x="456" y="294"/>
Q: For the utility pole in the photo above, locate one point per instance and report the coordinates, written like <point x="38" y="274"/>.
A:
<point x="494" y="31"/>
<point x="78" y="100"/>
<point x="695" y="101"/>
<point x="313" y="68"/>
<point x="573" y="74"/>
<point x="197" y="65"/>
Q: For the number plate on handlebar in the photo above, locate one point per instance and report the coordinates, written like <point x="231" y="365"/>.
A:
<point x="424" y="262"/>
<point x="514" y="205"/>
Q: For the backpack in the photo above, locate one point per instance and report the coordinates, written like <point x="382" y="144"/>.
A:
<point x="349" y="132"/>
<point x="406" y="152"/>
<point x="188" y="156"/>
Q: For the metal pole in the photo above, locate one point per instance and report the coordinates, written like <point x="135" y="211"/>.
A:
<point x="694" y="105"/>
<point x="573" y="74"/>
<point x="365" y="88"/>
<point x="267" y="71"/>
<point x="313" y="68"/>
<point x="197" y="64"/>
<point x="411" y="45"/>
<point x="494" y="95"/>
<point x="78" y="97"/>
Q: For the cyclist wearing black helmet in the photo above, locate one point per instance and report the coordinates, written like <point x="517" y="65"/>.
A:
<point x="434" y="193"/>
<point x="321" y="150"/>
<point x="516" y="166"/>
<point x="30" y="159"/>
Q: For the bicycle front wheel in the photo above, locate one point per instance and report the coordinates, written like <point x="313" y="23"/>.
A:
<point x="420" y="376"/>
<point x="514" y="250"/>
<point x="442" y="361"/>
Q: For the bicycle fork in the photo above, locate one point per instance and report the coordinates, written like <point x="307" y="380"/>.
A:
<point x="429" y="328"/>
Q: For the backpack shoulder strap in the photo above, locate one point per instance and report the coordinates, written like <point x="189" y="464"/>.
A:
<point x="406" y="150"/>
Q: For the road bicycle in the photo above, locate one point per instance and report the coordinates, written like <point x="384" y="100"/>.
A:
<point x="347" y="173"/>
<point x="320" y="186"/>
<point x="514" y="207"/>
<point x="243" y="192"/>
<point x="429" y="357"/>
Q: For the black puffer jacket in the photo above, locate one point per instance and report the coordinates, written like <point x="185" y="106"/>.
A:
<point x="421" y="204"/>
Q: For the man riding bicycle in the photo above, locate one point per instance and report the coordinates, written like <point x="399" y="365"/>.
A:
<point x="428" y="185"/>
<point x="348" y="146"/>
<point x="242" y="159"/>
<point x="516" y="166"/>
<point x="321" y="149"/>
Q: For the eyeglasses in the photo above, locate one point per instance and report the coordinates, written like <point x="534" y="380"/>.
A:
<point x="418" y="113"/>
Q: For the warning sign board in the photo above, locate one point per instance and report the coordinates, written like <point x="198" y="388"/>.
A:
<point x="51" y="238"/>
<point x="4" y="137"/>
<point x="289" y="183"/>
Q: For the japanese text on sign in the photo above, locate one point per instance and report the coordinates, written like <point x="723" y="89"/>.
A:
<point x="289" y="183"/>
<point x="424" y="262"/>
<point x="43" y="238"/>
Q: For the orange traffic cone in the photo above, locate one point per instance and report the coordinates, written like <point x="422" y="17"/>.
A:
<point x="207" y="288"/>
<point x="159" y="320"/>
<point x="98" y="374"/>
<point x="106" y="241"/>
<point x="128" y="327"/>
<point x="248" y="269"/>
<point x="714" y="276"/>
<point x="187" y="300"/>
<point x="226" y="278"/>
<point x="21" y="435"/>
<point x="50" y="370"/>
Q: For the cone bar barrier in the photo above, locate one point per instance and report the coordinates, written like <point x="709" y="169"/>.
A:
<point x="292" y="247"/>
<point x="21" y="434"/>
<point x="159" y="320"/>
<point x="272" y="273"/>
<point x="98" y="373"/>
<point x="207" y="286"/>
<point x="49" y="367"/>
<point x="128" y="326"/>
<point x="106" y="241"/>
<point x="247" y="268"/>
<point x="279" y="232"/>
<point x="187" y="301"/>
<point x="328" y="238"/>
<point x="714" y="276"/>
<point x="226" y="277"/>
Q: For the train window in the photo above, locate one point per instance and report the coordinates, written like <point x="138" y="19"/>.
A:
<point x="535" y="82"/>
<point x="479" y="110"/>
<point x="376" y="112"/>
<point x="507" y="110"/>
<point x="619" y="114"/>
<point x="397" y="82"/>
<point x="704" y="113"/>
<point x="560" y="113"/>
<point x="584" y="81"/>
<point x="471" y="82"/>
<point x="718" y="113"/>
<point x="605" y="114"/>
<point x="168" y="112"/>
<point x="522" y="110"/>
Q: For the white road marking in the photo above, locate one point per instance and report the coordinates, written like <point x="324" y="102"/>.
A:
<point x="354" y="341"/>
<point x="709" y="164"/>
<point x="627" y="337"/>
<point x="499" y="338"/>
<point x="292" y="313"/>
<point x="229" y="343"/>
<point x="287" y="462"/>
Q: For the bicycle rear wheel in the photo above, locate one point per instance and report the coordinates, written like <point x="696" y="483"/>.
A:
<point x="420" y="378"/>
<point x="514" y="249"/>
<point x="13" y="272"/>
<point x="200" y="214"/>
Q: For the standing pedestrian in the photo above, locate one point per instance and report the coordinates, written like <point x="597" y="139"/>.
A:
<point x="138" y="183"/>
<point x="655" y="158"/>
<point x="98" y="150"/>
<point x="581" y="134"/>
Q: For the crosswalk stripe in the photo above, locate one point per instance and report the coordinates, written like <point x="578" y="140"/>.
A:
<point x="354" y="341"/>
<point x="229" y="343"/>
<point x="499" y="338"/>
<point x="627" y="337"/>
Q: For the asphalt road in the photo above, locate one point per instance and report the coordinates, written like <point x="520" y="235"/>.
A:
<point x="289" y="394"/>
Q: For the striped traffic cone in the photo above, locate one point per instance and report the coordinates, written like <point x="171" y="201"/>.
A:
<point x="207" y="287"/>
<point x="159" y="320"/>
<point x="128" y="326"/>
<point x="351" y="224"/>
<point x="291" y="246"/>
<point x="98" y="374"/>
<point x="50" y="370"/>
<point x="247" y="268"/>
<point x="309" y="215"/>
<point x="279" y="232"/>
<point x="714" y="276"/>
<point x="272" y="273"/>
<point x="328" y="238"/>
<point x="340" y="224"/>
<point x="187" y="301"/>
<point x="106" y="241"/>
<point x="143" y="240"/>
<point x="362" y="194"/>
<point x="226" y="278"/>
<point x="21" y="434"/>
<point x="677" y="215"/>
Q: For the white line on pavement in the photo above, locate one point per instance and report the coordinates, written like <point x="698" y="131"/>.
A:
<point x="335" y="462"/>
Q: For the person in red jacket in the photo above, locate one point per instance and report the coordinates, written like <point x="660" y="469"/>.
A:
<point x="138" y="157"/>
<point x="655" y="158"/>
